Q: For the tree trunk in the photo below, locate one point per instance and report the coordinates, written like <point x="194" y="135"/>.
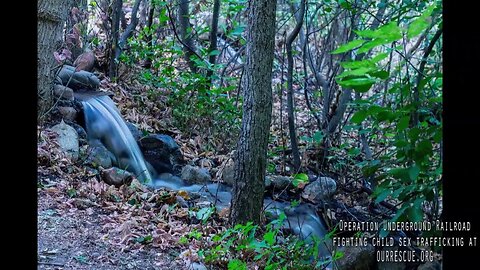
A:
<point x="116" y="14"/>
<point x="291" y="116"/>
<point x="185" y="32"/>
<point x="213" y="39"/>
<point x="51" y="17"/>
<point x="251" y="154"/>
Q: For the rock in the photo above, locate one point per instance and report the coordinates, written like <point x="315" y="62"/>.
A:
<point x="115" y="176"/>
<point x="279" y="182"/>
<point x="162" y="152"/>
<point x="195" y="175"/>
<point x="197" y="266"/>
<point x="77" y="79"/>
<point x="320" y="190"/>
<point x="68" y="113"/>
<point x="99" y="156"/>
<point x="430" y="266"/>
<point x="83" y="203"/>
<point x="357" y="258"/>
<point x="85" y="61"/>
<point x="82" y="134"/>
<point x="228" y="174"/>
<point x="63" y="92"/>
<point x="67" y="139"/>
<point x="137" y="134"/>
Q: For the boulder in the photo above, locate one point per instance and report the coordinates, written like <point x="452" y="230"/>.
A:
<point x="162" y="152"/>
<point x="115" y="176"/>
<point x="278" y="182"/>
<point x="357" y="258"/>
<point x="137" y="134"/>
<point x="68" y="113"/>
<point x="85" y="61"/>
<point x="99" y="156"/>
<point x="63" y="92"/>
<point x="320" y="190"/>
<point x="195" y="175"/>
<point x="67" y="139"/>
<point x="77" y="79"/>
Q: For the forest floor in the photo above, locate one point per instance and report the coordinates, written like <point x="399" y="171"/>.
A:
<point x="72" y="238"/>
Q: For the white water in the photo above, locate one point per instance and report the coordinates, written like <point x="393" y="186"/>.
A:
<point x="105" y="125"/>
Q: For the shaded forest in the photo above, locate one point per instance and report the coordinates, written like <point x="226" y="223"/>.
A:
<point x="238" y="134"/>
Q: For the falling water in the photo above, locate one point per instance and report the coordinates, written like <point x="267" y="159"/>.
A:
<point x="105" y="126"/>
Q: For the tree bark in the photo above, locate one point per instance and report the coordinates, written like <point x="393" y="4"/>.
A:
<point x="116" y="14"/>
<point x="51" y="17"/>
<point x="251" y="154"/>
<point x="185" y="34"/>
<point x="213" y="39"/>
<point x="290" y="107"/>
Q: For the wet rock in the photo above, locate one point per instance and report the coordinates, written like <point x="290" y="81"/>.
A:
<point x="357" y="258"/>
<point x="63" y="92"/>
<point x="77" y="79"/>
<point x="137" y="134"/>
<point x="68" y="113"/>
<point x="162" y="152"/>
<point x="195" y="175"/>
<point x="197" y="266"/>
<point x="99" y="156"/>
<point x="278" y="182"/>
<point x="115" y="176"/>
<point x="67" y="139"/>
<point x="320" y="190"/>
<point x="82" y="134"/>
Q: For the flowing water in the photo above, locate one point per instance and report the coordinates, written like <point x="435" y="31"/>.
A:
<point x="105" y="126"/>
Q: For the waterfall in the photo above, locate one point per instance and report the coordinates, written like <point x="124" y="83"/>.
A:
<point x="105" y="126"/>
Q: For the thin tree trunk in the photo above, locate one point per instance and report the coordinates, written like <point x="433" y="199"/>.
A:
<point x="128" y="31"/>
<point x="290" y="107"/>
<point x="149" y="38"/>
<point x="116" y="14"/>
<point x="51" y="17"/>
<point x="213" y="39"/>
<point x="251" y="154"/>
<point x="184" y="29"/>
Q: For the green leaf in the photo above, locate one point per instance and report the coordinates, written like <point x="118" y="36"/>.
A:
<point x="390" y="31"/>
<point x="415" y="212"/>
<point x="356" y="72"/>
<point x="413" y="172"/>
<point x="359" y="116"/>
<point x="349" y="46"/>
<point x="214" y="52"/>
<point x="361" y="84"/>
<point x="421" y="23"/>
<point x="144" y="239"/>
<point x="403" y="123"/>
<point x="383" y="195"/>
<point x="204" y="213"/>
<point x="269" y="237"/>
<point x="237" y="264"/>
<point x="381" y="74"/>
<point x="300" y="178"/>
<point x="318" y="136"/>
